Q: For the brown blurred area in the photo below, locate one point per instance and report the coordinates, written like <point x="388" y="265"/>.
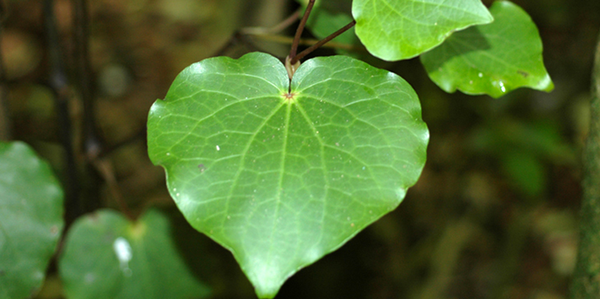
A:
<point x="494" y="214"/>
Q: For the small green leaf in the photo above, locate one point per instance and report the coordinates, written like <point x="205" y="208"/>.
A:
<point x="31" y="211"/>
<point x="107" y="256"/>
<point x="282" y="178"/>
<point x="395" y="30"/>
<point x="491" y="59"/>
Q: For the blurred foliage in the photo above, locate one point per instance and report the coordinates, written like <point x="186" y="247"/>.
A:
<point x="148" y="262"/>
<point x="31" y="219"/>
<point x="492" y="216"/>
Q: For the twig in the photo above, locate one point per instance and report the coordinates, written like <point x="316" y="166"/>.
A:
<point x="240" y="35"/>
<point x="275" y="29"/>
<point x="139" y="135"/>
<point x="5" y="123"/>
<point x="321" y="42"/>
<point x="105" y="169"/>
<point x="59" y="85"/>
<point x="306" y="42"/>
<point x="92" y="144"/>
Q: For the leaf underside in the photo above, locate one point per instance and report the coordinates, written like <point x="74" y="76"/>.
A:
<point x="491" y="59"/>
<point x="282" y="178"/>
<point x="396" y="30"/>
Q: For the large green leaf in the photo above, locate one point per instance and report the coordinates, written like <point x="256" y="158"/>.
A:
<point x="492" y="59"/>
<point x="107" y="256"/>
<point x="281" y="179"/>
<point x="31" y="210"/>
<point x="401" y="29"/>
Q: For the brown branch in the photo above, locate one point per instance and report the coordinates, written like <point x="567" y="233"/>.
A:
<point x="106" y="170"/>
<point x="59" y="84"/>
<point x="586" y="278"/>
<point x="91" y="143"/>
<point x="5" y="123"/>
<point x="275" y="29"/>
<point x="306" y="42"/>
<point x="91" y="140"/>
<point x="322" y="42"/>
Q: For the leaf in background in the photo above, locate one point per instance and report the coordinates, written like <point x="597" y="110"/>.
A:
<point x="282" y="179"/>
<point x="322" y="23"/>
<point x="524" y="149"/>
<point x="491" y="59"/>
<point x="525" y="170"/>
<point x="31" y="219"/>
<point x="326" y="18"/>
<point x="395" y="30"/>
<point x="107" y="256"/>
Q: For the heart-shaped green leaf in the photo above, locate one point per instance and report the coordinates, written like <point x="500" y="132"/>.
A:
<point x="282" y="178"/>
<point x="107" y="256"/>
<point x="492" y="59"/>
<point x="395" y="30"/>
<point x="31" y="211"/>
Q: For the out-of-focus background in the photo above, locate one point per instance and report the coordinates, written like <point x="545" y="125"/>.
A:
<point x="494" y="214"/>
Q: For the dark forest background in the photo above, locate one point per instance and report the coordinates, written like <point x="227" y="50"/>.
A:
<point x="494" y="214"/>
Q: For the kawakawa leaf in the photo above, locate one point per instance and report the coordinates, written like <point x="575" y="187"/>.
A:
<point x="283" y="175"/>
<point x="31" y="219"/>
<point x="491" y="59"/>
<point x="395" y="30"/>
<point x="107" y="256"/>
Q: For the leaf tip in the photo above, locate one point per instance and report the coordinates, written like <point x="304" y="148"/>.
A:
<point x="546" y="84"/>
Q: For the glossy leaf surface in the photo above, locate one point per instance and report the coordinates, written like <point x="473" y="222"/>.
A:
<point x="281" y="179"/>
<point x="491" y="59"/>
<point x="107" y="256"/>
<point x="395" y="30"/>
<point x="31" y="211"/>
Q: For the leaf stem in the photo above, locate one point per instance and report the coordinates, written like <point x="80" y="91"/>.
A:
<point x="321" y="42"/>
<point x="301" y="26"/>
<point x="305" y="42"/>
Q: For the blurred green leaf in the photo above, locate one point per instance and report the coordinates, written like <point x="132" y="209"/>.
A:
<point x="542" y="138"/>
<point x="523" y="149"/>
<point x="282" y="178"/>
<point x="31" y="211"/>
<point x="107" y="256"/>
<point x="525" y="170"/>
<point x="491" y="59"/>
<point x="325" y="19"/>
<point x="322" y="23"/>
<point x="395" y="30"/>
